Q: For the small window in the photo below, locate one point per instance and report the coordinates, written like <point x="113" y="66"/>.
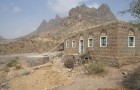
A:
<point x="103" y="41"/>
<point x="67" y="43"/>
<point x="90" y="42"/>
<point x="73" y="43"/>
<point x="131" y="41"/>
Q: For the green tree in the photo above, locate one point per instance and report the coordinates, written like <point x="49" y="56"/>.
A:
<point x="134" y="9"/>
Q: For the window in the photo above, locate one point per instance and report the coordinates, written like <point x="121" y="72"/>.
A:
<point x="103" y="38"/>
<point x="131" y="38"/>
<point x="131" y="41"/>
<point x="103" y="41"/>
<point x="73" y="43"/>
<point x="90" y="42"/>
<point x="67" y="43"/>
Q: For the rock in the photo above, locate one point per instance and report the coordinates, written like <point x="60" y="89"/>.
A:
<point x="4" y="84"/>
<point x="125" y="74"/>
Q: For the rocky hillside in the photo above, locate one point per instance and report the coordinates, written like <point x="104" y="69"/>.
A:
<point x="28" y="46"/>
<point x="81" y="14"/>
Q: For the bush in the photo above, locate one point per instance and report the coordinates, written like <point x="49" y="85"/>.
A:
<point x="133" y="81"/>
<point x="12" y="63"/>
<point x="69" y="62"/>
<point x="95" y="68"/>
<point x="18" y="66"/>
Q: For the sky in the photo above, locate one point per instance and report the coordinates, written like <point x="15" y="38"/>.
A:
<point x="21" y="17"/>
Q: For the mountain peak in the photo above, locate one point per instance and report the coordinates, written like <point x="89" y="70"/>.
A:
<point x="83" y="6"/>
<point x="104" y="10"/>
<point x="57" y="16"/>
<point x="44" y="21"/>
<point x="104" y="6"/>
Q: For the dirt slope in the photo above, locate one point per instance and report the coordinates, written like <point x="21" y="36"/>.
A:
<point x="39" y="80"/>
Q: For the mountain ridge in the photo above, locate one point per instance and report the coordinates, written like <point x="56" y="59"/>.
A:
<point x="82" y="13"/>
<point x="47" y="26"/>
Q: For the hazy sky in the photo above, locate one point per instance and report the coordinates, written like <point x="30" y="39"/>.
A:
<point x="20" y="17"/>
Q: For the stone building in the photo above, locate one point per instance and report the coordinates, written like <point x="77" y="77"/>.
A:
<point x="117" y="41"/>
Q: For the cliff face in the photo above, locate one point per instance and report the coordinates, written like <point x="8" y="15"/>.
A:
<point x="92" y="15"/>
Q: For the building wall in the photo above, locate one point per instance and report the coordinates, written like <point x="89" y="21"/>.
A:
<point x="110" y="50"/>
<point x="117" y="39"/>
<point x="127" y="54"/>
<point x="123" y="33"/>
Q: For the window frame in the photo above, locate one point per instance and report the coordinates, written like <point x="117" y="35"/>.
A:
<point x="101" y="41"/>
<point x="67" y="43"/>
<point x="73" y="44"/>
<point x="133" y="41"/>
<point x="89" y="42"/>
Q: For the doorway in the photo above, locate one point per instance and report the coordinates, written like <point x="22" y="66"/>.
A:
<point x="81" y="46"/>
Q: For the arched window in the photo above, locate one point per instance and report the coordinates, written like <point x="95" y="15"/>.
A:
<point x="90" y="41"/>
<point x="103" y="39"/>
<point x="67" y="43"/>
<point x="131" y="38"/>
<point x="81" y="45"/>
<point x="73" y="43"/>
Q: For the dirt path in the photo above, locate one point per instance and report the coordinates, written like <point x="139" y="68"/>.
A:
<point x="41" y="79"/>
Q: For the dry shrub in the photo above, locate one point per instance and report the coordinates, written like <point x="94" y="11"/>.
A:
<point x="18" y="66"/>
<point x="69" y="62"/>
<point x="12" y="63"/>
<point x="95" y="68"/>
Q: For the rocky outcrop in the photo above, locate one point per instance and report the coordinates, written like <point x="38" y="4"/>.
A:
<point x="105" y="12"/>
<point x="92" y="15"/>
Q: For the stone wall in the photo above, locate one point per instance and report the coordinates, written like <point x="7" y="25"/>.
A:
<point x="110" y="50"/>
<point x="117" y="42"/>
<point x="127" y="55"/>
